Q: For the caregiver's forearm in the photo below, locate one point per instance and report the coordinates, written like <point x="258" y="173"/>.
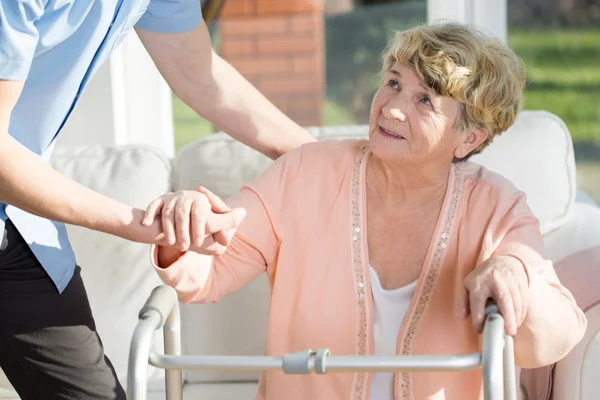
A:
<point x="218" y="93"/>
<point x="33" y="186"/>
<point x="234" y="106"/>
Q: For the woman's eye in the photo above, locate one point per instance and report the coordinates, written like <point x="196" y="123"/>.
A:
<point x="393" y="84"/>
<point x="425" y="100"/>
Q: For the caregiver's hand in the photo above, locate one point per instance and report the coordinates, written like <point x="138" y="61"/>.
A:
<point x="502" y="278"/>
<point x="195" y="220"/>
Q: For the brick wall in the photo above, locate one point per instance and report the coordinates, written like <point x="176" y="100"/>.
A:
<point x="278" y="45"/>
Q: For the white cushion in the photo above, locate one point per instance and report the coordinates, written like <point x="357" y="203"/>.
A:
<point x="576" y="375"/>
<point x="580" y="232"/>
<point x="237" y="325"/>
<point x="218" y="162"/>
<point x="575" y="250"/>
<point x="536" y="154"/>
<point x="590" y="387"/>
<point x="117" y="273"/>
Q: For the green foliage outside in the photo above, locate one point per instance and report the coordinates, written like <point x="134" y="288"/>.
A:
<point x="563" y="74"/>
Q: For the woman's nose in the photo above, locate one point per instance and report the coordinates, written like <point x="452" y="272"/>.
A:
<point x="395" y="109"/>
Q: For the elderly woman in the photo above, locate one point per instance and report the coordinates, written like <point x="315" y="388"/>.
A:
<point x="385" y="246"/>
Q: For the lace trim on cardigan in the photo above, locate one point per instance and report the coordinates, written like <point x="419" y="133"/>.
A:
<point x="434" y="267"/>
<point x="435" y="264"/>
<point x="360" y="378"/>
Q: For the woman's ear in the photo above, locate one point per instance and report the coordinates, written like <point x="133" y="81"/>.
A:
<point x="472" y="139"/>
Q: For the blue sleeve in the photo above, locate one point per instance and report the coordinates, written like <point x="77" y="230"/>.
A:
<point x="171" y="16"/>
<point x="18" y="37"/>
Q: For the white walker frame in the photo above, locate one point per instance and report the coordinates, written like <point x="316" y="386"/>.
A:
<point x="162" y="311"/>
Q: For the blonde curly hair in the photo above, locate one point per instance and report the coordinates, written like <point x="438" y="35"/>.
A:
<point x="456" y="60"/>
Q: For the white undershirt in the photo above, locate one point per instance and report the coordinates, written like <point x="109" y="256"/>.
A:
<point x="389" y="309"/>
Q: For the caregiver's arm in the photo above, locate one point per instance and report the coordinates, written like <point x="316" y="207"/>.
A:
<point x="218" y="93"/>
<point x="31" y="185"/>
<point x="25" y="180"/>
<point x="553" y="323"/>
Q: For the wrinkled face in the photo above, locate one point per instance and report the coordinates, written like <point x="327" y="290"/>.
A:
<point x="409" y="122"/>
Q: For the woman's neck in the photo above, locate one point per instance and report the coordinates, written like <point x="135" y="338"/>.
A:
<point x="412" y="186"/>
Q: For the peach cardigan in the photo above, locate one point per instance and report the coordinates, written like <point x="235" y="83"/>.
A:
<point x="306" y="228"/>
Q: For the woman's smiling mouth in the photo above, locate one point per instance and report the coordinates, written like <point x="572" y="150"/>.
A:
<point x="390" y="133"/>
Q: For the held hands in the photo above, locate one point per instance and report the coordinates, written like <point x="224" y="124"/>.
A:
<point x="502" y="278"/>
<point x="195" y="220"/>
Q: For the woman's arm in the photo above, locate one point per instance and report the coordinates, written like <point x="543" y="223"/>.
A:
<point x="253" y="248"/>
<point x="200" y="278"/>
<point x="552" y="323"/>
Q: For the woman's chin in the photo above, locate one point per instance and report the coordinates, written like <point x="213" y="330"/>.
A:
<point x="384" y="150"/>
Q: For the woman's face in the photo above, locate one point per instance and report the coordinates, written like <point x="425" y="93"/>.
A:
<point x="409" y="122"/>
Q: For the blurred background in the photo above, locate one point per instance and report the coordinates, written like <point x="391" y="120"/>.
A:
<point x="317" y="60"/>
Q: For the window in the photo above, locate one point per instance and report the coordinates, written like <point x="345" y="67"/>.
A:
<point x="356" y="34"/>
<point x="559" y="43"/>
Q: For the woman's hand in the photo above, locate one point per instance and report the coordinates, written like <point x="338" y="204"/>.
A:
<point x="502" y="278"/>
<point x="189" y="221"/>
